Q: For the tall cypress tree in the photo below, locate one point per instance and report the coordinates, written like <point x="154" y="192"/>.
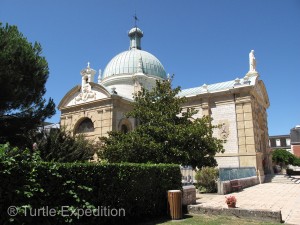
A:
<point x="23" y="74"/>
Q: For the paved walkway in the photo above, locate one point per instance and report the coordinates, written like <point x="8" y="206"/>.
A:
<point x="267" y="196"/>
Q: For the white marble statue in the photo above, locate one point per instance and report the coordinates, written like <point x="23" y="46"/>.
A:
<point x="252" y="62"/>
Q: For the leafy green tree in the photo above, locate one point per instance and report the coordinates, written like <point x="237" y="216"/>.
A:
<point x="166" y="133"/>
<point x="23" y="74"/>
<point x="60" y="146"/>
<point x="284" y="158"/>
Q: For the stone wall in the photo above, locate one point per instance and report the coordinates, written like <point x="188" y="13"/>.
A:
<point x="222" y="109"/>
<point x="100" y="115"/>
<point x="225" y="188"/>
<point x="223" y="114"/>
<point x="264" y="215"/>
<point x="106" y="115"/>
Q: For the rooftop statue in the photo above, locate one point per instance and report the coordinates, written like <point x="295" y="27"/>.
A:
<point x="252" y="62"/>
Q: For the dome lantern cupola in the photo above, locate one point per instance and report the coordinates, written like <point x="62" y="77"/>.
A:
<point x="134" y="60"/>
<point x="135" y="35"/>
<point x="134" y="65"/>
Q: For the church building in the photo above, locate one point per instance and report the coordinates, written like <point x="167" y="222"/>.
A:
<point x="238" y="106"/>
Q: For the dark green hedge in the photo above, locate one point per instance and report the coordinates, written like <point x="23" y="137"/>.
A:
<point x="139" y="189"/>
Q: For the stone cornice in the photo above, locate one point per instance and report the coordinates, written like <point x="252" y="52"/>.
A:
<point x="69" y="93"/>
<point x="88" y="105"/>
<point x="96" y="103"/>
<point x="244" y="99"/>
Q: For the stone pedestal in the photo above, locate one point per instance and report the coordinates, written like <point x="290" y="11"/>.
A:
<point x="189" y="195"/>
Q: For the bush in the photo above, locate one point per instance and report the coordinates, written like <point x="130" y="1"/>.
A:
<point x="283" y="157"/>
<point x="296" y="161"/>
<point x="206" y="179"/>
<point x="61" y="146"/>
<point x="139" y="189"/>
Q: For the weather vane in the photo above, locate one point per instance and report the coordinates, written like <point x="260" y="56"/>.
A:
<point x="135" y="19"/>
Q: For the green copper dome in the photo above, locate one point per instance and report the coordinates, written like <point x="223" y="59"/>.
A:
<point x="134" y="60"/>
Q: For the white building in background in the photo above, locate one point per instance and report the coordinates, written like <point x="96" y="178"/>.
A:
<point x="238" y="105"/>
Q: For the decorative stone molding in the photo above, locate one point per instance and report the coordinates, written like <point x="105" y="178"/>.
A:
<point x="205" y="88"/>
<point x="223" y="129"/>
<point x="237" y="81"/>
<point x="86" y="94"/>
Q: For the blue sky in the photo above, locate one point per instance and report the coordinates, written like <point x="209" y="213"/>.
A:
<point x="198" y="41"/>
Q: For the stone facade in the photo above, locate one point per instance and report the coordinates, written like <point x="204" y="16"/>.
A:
<point x="106" y="115"/>
<point x="224" y="187"/>
<point x="241" y="113"/>
<point x="238" y="107"/>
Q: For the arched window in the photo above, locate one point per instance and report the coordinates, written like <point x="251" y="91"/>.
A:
<point x="85" y="126"/>
<point x="125" y="125"/>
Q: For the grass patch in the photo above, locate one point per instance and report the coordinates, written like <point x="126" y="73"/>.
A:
<point x="208" y="220"/>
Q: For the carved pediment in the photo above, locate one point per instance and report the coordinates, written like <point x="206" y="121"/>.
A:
<point x="80" y="95"/>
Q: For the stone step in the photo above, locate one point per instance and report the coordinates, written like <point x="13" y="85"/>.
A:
<point x="283" y="182"/>
<point x="281" y="179"/>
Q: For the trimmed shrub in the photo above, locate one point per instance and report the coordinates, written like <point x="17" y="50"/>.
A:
<point x="139" y="189"/>
<point x="206" y="179"/>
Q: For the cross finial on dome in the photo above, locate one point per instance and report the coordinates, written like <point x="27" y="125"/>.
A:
<point x="88" y="65"/>
<point x="135" y="19"/>
<point x="135" y="35"/>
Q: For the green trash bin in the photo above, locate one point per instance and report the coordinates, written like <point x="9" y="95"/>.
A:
<point x="175" y="204"/>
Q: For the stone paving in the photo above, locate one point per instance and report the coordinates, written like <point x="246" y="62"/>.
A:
<point x="267" y="196"/>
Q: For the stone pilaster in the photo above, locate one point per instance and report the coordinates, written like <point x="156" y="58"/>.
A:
<point x="245" y="129"/>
